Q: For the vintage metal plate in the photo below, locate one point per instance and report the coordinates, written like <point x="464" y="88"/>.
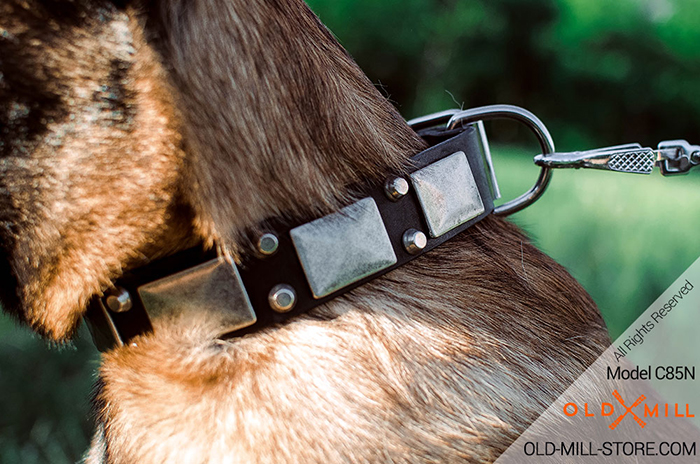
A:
<point x="447" y="193"/>
<point x="342" y="248"/>
<point x="212" y="290"/>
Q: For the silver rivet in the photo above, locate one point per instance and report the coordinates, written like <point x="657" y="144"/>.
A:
<point x="268" y="244"/>
<point x="282" y="298"/>
<point x="396" y="188"/>
<point x="414" y="241"/>
<point x="118" y="300"/>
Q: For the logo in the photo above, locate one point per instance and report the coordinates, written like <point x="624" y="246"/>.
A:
<point x="639" y="401"/>
<point x="650" y="411"/>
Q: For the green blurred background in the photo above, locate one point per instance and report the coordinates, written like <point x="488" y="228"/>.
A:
<point x="597" y="72"/>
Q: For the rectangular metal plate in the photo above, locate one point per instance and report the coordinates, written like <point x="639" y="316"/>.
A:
<point x="448" y="193"/>
<point x="343" y="248"/>
<point x="211" y="292"/>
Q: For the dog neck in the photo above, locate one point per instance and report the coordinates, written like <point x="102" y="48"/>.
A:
<point x="278" y="119"/>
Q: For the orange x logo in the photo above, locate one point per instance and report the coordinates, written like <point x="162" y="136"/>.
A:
<point x="628" y="410"/>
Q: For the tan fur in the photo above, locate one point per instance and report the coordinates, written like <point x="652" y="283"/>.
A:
<point x="96" y="188"/>
<point x="224" y="114"/>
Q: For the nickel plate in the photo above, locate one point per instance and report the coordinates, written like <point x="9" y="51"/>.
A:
<point x="213" y="288"/>
<point x="448" y="193"/>
<point x="343" y="248"/>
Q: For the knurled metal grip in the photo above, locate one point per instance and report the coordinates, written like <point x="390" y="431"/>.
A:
<point x="633" y="161"/>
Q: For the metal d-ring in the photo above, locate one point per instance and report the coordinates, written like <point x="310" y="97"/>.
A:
<point x="534" y="124"/>
<point x="432" y="120"/>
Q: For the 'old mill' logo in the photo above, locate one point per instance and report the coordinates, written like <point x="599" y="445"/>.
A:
<point x="650" y="411"/>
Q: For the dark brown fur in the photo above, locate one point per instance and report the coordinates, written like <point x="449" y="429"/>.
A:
<point x="129" y="132"/>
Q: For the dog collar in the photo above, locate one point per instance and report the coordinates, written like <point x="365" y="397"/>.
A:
<point x="447" y="189"/>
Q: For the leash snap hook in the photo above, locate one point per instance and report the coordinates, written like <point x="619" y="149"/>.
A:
<point x="673" y="157"/>
<point x="630" y="158"/>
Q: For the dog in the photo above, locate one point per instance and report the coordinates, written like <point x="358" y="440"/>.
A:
<point x="130" y="130"/>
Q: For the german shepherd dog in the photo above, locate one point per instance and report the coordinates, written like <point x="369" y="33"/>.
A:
<point x="130" y="130"/>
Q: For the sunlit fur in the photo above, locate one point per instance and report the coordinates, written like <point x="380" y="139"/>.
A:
<point x="131" y="131"/>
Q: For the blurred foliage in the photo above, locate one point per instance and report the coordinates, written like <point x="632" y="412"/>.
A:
<point x="598" y="72"/>
<point x="45" y="397"/>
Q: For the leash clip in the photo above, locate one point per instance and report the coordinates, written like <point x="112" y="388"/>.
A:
<point x="632" y="158"/>
<point x="673" y="157"/>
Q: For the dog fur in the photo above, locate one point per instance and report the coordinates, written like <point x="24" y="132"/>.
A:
<point x="130" y="130"/>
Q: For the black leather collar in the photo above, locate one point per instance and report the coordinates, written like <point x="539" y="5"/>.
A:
<point x="260" y="275"/>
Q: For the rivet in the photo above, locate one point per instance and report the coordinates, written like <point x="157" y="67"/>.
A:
<point x="118" y="300"/>
<point x="268" y="244"/>
<point x="282" y="298"/>
<point x="414" y="241"/>
<point x="396" y="188"/>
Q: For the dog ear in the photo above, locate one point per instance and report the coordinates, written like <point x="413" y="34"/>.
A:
<point x="89" y="157"/>
<point x="278" y="118"/>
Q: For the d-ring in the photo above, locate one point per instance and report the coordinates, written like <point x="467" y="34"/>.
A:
<point x="535" y="125"/>
<point x="432" y="120"/>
